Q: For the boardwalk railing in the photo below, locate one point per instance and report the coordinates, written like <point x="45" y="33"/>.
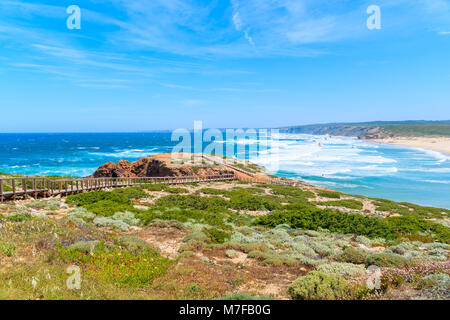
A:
<point x="39" y="187"/>
<point x="224" y="162"/>
<point x="254" y="178"/>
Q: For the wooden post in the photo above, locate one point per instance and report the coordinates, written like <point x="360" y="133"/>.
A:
<point x="1" y="190"/>
<point x="24" y="188"/>
<point x="34" y="188"/>
<point x="13" y="182"/>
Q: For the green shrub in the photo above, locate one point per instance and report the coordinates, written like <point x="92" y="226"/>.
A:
<point x="155" y="187"/>
<point x="196" y="236"/>
<point x="85" y="246"/>
<point x="329" y="194"/>
<point x="177" y="190"/>
<point x="279" y="260"/>
<point x="218" y="219"/>
<point x="318" y="285"/>
<point x="216" y="235"/>
<point x="323" y="248"/>
<point x="132" y="242"/>
<point x="342" y="269"/>
<point x="158" y="223"/>
<point x="52" y="204"/>
<point x="252" y="203"/>
<point x="436" y="280"/>
<point x="120" y="267"/>
<point x="430" y="212"/>
<point x="192" y="201"/>
<point x="364" y="241"/>
<point x="90" y="198"/>
<point x="353" y="255"/>
<point x="7" y="248"/>
<point x="212" y="191"/>
<point x="274" y="258"/>
<point x="107" y="208"/>
<point x="108" y="222"/>
<point x="257" y="254"/>
<point x="7" y="188"/>
<point x="351" y="204"/>
<point x="409" y="225"/>
<point x="231" y="254"/>
<point x="409" y="209"/>
<point x="284" y="227"/>
<point x="249" y="190"/>
<point x="290" y="191"/>
<point x="132" y="193"/>
<point x="388" y="260"/>
<point x="17" y="217"/>
<point x="311" y="218"/>
<point x="127" y="217"/>
<point x="82" y="213"/>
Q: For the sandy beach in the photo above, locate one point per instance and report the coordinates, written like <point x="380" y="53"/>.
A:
<point x="441" y="144"/>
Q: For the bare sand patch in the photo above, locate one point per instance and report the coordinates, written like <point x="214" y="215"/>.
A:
<point x="167" y="240"/>
<point x="440" y="144"/>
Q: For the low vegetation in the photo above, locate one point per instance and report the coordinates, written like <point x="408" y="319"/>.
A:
<point x="350" y="204"/>
<point x="319" y="286"/>
<point x="220" y="241"/>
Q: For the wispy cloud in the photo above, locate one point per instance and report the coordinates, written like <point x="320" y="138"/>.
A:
<point x="134" y="32"/>
<point x="238" y="25"/>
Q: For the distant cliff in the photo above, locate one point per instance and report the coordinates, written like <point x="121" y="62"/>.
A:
<point x="375" y="130"/>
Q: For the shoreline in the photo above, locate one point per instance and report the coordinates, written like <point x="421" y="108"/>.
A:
<point x="439" y="144"/>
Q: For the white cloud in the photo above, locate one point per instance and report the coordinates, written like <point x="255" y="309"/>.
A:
<point x="249" y="39"/>
<point x="239" y="26"/>
<point x="237" y="21"/>
<point x="249" y="29"/>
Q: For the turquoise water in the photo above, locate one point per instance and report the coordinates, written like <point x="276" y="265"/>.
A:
<point x="344" y="164"/>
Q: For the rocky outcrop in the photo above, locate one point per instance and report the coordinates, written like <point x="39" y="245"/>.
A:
<point x="151" y="167"/>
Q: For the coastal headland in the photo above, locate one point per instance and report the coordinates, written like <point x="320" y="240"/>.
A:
<point x="431" y="135"/>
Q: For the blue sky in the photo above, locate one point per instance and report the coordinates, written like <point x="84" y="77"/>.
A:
<point x="161" y="64"/>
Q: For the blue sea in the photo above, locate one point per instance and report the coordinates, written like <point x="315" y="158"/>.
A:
<point x="344" y="164"/>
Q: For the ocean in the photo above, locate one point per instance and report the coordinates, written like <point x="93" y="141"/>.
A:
<point x="345" y="164"/>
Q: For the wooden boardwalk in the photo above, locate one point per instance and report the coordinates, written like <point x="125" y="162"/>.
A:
<point x="15" y="188"/>
<point x="40" y="187"/>
<point x="248" y="176"/>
